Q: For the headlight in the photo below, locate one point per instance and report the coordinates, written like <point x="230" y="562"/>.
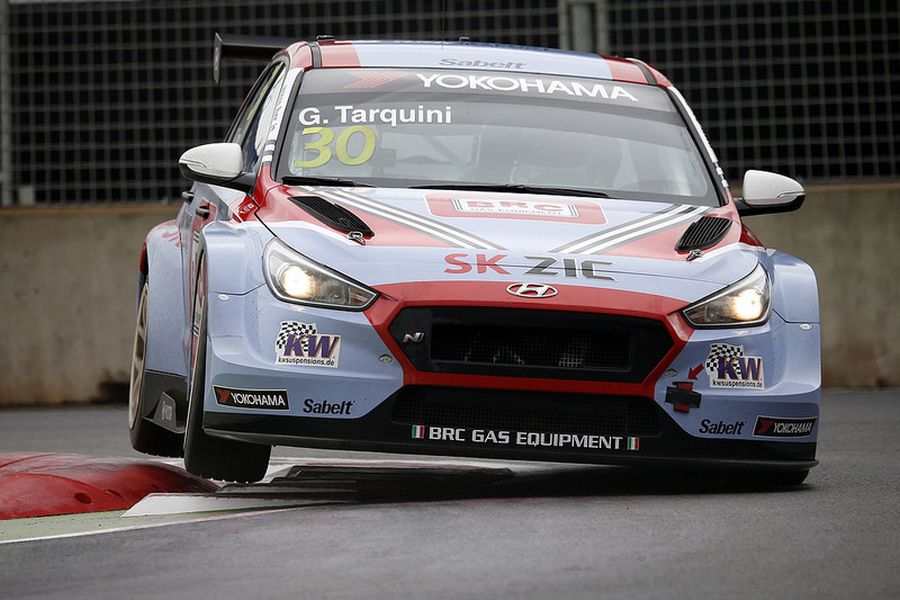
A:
<point x="294" y="278"/>
<point x="744" y="303"/>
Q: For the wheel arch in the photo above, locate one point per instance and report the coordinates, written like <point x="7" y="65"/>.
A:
<point x="795" y="293"/>
<point x="161" y="264"/>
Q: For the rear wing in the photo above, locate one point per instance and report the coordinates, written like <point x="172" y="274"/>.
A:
<point x="246" y="47"/>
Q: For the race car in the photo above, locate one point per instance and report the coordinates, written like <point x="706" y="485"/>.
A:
<point x="471" y="250"/>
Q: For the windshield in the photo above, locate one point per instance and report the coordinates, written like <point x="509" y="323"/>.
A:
<point x="426" y="128"/>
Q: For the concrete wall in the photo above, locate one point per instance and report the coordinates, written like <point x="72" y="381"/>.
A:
<point x="67" y="301"/>
<point x="68" y="288"/>
<point x="850" y="235"/>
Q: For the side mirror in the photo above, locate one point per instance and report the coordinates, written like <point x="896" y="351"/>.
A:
<point x="766" y="193"/>
<point x="219" y="164"/>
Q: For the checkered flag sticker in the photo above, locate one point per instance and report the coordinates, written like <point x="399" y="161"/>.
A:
<point x="719" y="350"/>
<point x="295" y="328"/>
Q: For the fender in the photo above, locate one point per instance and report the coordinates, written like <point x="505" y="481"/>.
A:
<point x="165" y="308"/>
<point x="234" y="256"/>
<point x="795" y="294"/>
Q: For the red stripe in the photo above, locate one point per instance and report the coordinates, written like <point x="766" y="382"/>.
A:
<point x="493" y="295"/>
<point x="749" y="238"/>
<point x="277" y="208"/>
<point x="301" y="56"/>
<point x="339" y="54"/>
<point x="622" y="70"/>
<point x="661" y="79"/>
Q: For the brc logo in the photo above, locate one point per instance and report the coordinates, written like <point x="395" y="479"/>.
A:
<point x="513" y="206"/>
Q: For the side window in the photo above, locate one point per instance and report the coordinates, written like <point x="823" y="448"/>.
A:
<point x="252" y="126"/>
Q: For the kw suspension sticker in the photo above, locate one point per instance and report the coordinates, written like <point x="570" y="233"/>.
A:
<point x="300" y="344"/>
<point x="729" y="368"/>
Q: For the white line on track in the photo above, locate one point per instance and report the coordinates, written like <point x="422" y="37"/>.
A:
<point x="142" y="526"/>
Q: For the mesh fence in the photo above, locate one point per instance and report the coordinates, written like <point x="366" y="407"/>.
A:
<point x="107" y="95"/>
<point x="104" y="96"/>
<point x="807" y="89"/>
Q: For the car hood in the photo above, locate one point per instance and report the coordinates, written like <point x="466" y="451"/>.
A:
<point x="440" y="235"/>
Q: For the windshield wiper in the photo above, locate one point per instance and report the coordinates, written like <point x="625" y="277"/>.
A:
<point x="515" y="188"/>
<point x="335" y="181"/>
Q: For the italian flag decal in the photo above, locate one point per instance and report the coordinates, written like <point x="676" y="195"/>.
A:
<point x="418" y="432"/>
<point x="634" y="443"/>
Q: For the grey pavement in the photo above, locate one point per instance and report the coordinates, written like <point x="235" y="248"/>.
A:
<point x="564" y="533"/>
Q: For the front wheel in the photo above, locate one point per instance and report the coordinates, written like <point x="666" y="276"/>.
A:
<point x="205" y="455"/>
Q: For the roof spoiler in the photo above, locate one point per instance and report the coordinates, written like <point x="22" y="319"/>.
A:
<point x="247" y="47"/>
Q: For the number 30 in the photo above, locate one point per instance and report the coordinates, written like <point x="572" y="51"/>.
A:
<point x="324" y="153"/>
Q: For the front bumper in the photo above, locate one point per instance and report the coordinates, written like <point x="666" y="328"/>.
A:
<point x="378" y="431"/>
<point x="361" y="392"/>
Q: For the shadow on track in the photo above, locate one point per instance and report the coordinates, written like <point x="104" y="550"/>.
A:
<point x="404" y="484"/>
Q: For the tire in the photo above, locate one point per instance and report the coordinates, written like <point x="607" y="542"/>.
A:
<point x="205" y="455"/>
<point x="788" y="478"/>
<point x="773" y="478"/>
<point x="146" y="436"/>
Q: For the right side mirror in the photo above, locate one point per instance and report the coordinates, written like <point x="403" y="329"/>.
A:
<point x="766" y="193"/>
<point x="218" y="164"/>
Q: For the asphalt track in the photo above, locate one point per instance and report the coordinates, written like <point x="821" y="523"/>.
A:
<point x="560" y="532"/>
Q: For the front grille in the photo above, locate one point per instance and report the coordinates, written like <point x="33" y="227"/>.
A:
<point x="531" y="343"/>
<point x="529" y="347"/>
<point x="540" y="412"/>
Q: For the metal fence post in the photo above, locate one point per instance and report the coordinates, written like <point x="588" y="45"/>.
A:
<point x="6" y="171"/>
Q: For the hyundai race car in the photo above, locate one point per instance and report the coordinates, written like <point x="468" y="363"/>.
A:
<point x="471" y="250"/>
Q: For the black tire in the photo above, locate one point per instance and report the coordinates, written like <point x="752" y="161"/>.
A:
<point x="788" y="478"/>
<point x="772" y="478"/>
<point x="205" y="455"/>
<point x="146" y="436"/>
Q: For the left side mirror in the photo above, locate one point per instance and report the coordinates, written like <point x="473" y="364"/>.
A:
<point x="766" y="193"/>
<point x="218" y="164"/>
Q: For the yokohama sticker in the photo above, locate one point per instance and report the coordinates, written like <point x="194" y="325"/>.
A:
<point x="729" y="368"/>
<point x="300" y="344"/>
<point x="497" y="437"/>
<point x="268" y="399"/>
<point x="780" y="427"/>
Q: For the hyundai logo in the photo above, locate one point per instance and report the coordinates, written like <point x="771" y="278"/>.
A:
<point x="532" y="290"/>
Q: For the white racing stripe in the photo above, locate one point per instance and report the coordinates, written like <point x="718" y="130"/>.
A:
<point x="619" y="240"/>
<point x="580" y="244"/>
<point x="668" y="217"/>
<point x="455" y="236"/>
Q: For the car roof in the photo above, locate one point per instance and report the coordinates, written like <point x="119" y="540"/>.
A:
<point x="473" y="56"/>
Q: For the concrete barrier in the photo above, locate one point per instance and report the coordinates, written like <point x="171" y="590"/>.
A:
<point x="850" y="234"/>
<point x="67" y="302"/>
<point x="68" y="289"/>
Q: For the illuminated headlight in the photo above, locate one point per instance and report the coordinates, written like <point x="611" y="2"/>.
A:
<point x="294" y="278"/>
<point x="744" y="303"/>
